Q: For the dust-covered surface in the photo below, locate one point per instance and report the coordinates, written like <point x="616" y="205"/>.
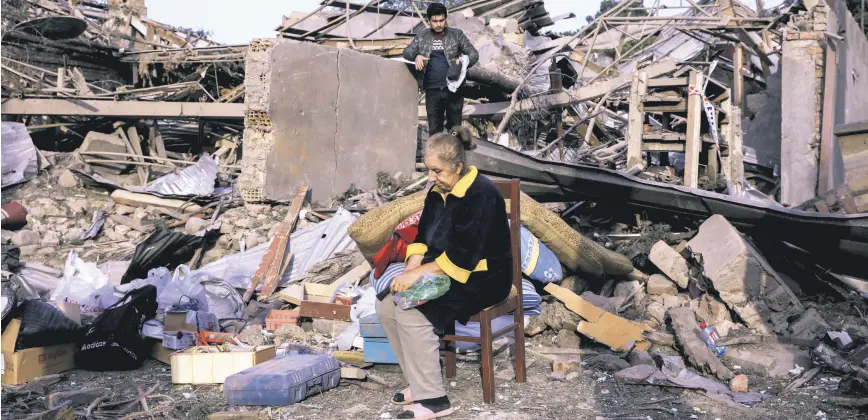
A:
<point x="594" y="393"/>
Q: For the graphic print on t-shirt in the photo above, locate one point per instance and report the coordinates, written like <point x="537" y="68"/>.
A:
<point x="435" y="74"/>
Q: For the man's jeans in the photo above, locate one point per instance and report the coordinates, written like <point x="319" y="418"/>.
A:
<point x="439" y="102"/>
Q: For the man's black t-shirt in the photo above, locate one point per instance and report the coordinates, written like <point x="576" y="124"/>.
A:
<point x="437" y="68"/>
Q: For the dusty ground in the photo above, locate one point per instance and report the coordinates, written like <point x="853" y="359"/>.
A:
<point x="592" y="395"/>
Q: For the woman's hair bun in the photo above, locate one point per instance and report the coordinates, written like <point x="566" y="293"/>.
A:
<point x="463" y="134"/>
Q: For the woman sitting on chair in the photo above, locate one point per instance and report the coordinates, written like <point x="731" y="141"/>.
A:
<point x="464" y="234"/>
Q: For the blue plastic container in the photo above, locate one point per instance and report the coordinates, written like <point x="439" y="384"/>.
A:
<point x="377" y="347"/>
<point x="283" y="381"/>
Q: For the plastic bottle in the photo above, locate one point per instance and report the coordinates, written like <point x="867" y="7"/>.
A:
<point x="709" y="334"/>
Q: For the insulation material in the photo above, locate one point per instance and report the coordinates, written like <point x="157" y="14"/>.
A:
<point x="308" y="246"/>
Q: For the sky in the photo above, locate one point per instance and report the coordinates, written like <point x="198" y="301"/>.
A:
<point x="238" y="22"/>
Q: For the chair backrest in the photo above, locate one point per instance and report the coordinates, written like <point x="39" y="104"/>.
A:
<point x="509" y="189"/>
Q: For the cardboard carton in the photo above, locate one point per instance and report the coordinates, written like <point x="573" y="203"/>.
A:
<point x="28" y="364"/>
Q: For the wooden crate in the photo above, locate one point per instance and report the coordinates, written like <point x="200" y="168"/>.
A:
<point x="207" y="365"/>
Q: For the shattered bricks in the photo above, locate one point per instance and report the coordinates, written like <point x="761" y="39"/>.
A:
<point x="743" y="278"/>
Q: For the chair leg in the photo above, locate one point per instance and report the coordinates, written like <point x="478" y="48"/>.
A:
<point x="487" y="358"/>
<point x="520" y="365"/>
<point x="450" y="359"/>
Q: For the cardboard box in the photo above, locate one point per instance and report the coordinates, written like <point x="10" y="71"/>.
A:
<point x="161" y="353"/>
<point x="190" y="321"/>
<point x="207" y="365"/>
<point x="28" y="364"/>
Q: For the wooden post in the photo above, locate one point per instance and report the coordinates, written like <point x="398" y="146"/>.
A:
<point x="636" y="119"/>
<point x="557" y="84"/>
<point x="694" y="141"/>
<point x="738" y="75"/>
<point x="61" y="77"/>
<point x="827" y="139"/>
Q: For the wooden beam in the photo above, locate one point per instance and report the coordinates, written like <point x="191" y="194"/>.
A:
<point x="668" y="82"/>
<point x="121" y="109"/>
<point x="738" y="75"/>
<point x="636" y="117"/>
<point x="827" y="139"/>
<point x="587" y="93"/>
<point x="694" y="141"/>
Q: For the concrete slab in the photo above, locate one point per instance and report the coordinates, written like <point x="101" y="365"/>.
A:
<point x="743" y="278"/>
<point x="771" y="360"/>
<point x="338" y="117"/>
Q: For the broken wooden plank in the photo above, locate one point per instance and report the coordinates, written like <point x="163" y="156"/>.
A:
<point x="325" y="310"/>
<point x="698" y="354"/>
<point x="609" y="329"/>
<point x="694" y="124"/>
<point x="353" y="373"/>
<point x="354" y="276"/>
<point x="636" y="116"/>
<point x="279" y="244"/>
<point x="143" y="173"/>
<point x="144" y="200"/>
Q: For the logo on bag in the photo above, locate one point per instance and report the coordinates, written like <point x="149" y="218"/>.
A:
<point x="94" y="345"/>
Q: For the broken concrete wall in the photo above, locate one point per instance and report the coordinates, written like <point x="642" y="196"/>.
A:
<point x="743" y="277"/>
<point x="324" y="117"/>
<point x="852" y="100"/>
<point x="801" y="104"/>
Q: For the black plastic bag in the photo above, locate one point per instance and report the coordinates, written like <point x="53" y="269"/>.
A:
<point x="114" y="340"/>
<point x="43" y="325"/>
<point x="162" y="249"/>
<point x="11" y="258"/>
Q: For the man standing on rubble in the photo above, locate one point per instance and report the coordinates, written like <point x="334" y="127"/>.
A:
<point x="437" y="53"/>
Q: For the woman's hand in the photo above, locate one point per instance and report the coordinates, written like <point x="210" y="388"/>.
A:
<point x="403" y="281"/>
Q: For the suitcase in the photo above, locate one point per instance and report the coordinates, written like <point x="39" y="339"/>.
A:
<point x="283" y="381"/>
<point x="377" y="347"/>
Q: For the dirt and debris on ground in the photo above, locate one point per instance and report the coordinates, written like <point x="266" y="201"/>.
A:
<point x="659" y="313"/>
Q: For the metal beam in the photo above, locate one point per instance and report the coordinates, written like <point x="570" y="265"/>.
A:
<point x="128" y="109"/>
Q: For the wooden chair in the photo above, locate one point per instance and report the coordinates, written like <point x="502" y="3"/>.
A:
<point x="513" y="303"/>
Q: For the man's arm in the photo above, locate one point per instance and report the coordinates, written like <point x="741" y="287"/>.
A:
<point x="411" y="50"/>
<point x="466" y="47"/>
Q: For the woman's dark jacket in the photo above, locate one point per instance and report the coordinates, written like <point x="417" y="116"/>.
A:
<point x="466" y="233"/>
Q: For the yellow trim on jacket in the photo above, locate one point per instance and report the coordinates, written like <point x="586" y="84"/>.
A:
<point x="459" y="274"/>
<point x="463" y="184"/>
<point x="415" y="249"/>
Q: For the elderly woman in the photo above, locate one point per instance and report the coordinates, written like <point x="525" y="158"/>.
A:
<point x="464" y="234"/>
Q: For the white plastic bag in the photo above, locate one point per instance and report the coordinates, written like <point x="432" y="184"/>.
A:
<point x="182" y="288"/>
<point x="363" y="307"/>
<point x="80" y="280"/>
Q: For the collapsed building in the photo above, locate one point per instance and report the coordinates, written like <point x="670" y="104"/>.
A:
<point x="719" y="149"/>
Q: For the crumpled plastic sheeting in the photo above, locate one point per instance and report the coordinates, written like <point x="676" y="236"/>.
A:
<point x="197" y="179"/>
<point x="37" y="280"/>
<point x="674" y="371"/>
<point x="308" y="246"/>
<point x="20" y="161"/>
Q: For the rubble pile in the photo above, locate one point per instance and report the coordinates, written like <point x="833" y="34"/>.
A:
<point x="161" y="259"/>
